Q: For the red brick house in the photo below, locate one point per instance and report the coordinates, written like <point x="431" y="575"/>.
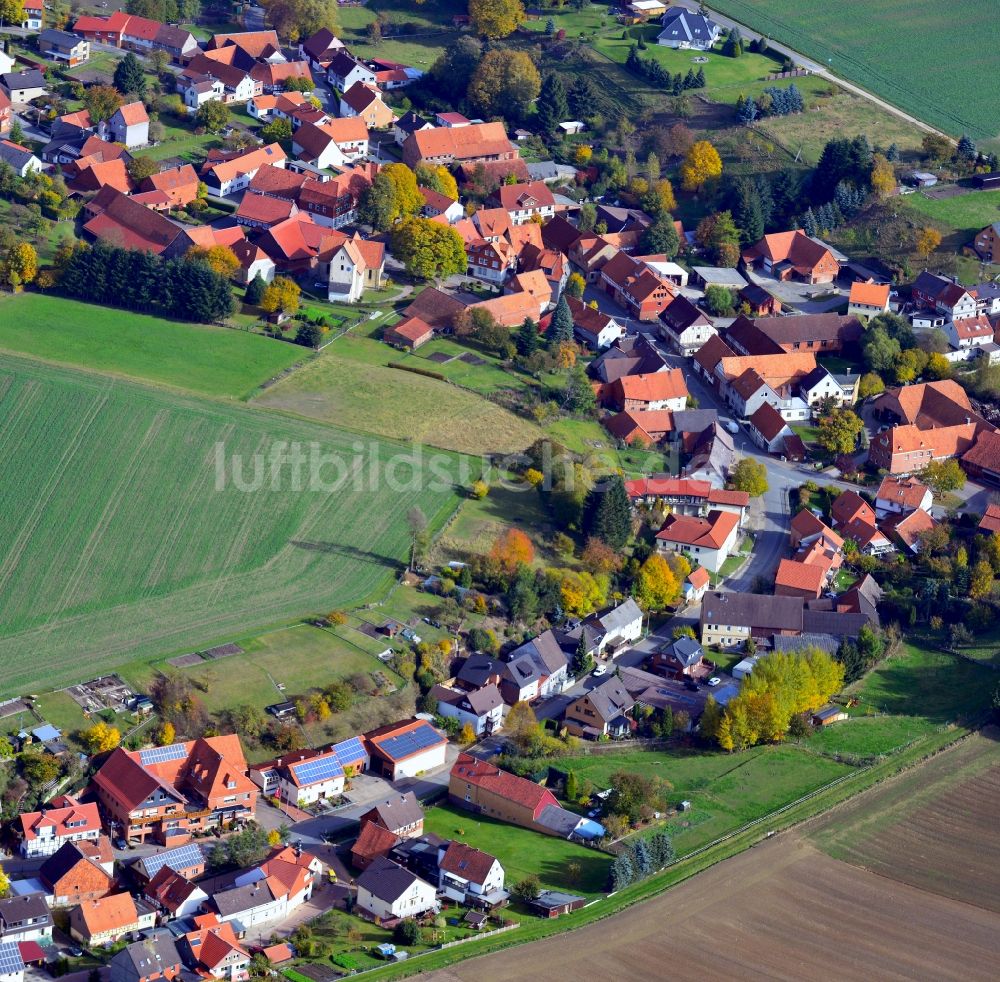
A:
<point x="72" y="876"/>
<point x="473" y="144"/>
<point x="635" y="287"/>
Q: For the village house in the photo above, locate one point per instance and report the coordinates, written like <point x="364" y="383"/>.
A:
<point x="306" y="776"/>
<point x="61" y="46"/>
<point x="635" y="286"/>
<point x="25" y="917"/>
<point x="987" y="243"/>
<point x="365" y="101"/>
<point x="320" y="49"/>
<point x="104" y="921"/>
<point x="355" y="265"/>
<point x="709" y="541"/>
<point x="601" y="712"/>
<point x="152" y="959"/>
<point x="76" y="873"/>
<point x="388" y="892"/>
<point x="269" y="892"/>
<point x="179" y="184"/>
<point x="372" y="842"/>
<point x="401" y="815"/>
<point x="792" y="255"/>
<point x="661" y="390"/>
<point x="683" y="658"/>
<point x="482" y="709"/>
<point x="946" y="298"/>
<point x="405" y="749"/>
<point x="684" y="327"/>
<point x="607" y="632"/>
<point x="213" y="951"/>
<point x="768" y="429"/>
<point x="524" y="202"/>
<point x="968" y="335"/>
<point x="6" y="112"/>
<point x="138" y="34"/>
<point x="33" y="16"/>
<point x="407" y="124"/>
<point x="900" y="496"/>
<point x="907" y="529"/>
<point x="640" y="427"/>
<point x="470" y="876"/>
<point x="481" y="787"/>
<point x="20" y="159"/>
<point x="820" y="388"/>
<point x="230" y="174"/>
<point x="438" y="204"/>
<point x="167" y="793"/>
<point x="683" y="28"/>
<point x="820" y="333"/>
<point x="795" y="579"/>
<point x="23" y="86"/>
<point x="537" y="668"/>
<point x="63" y="820"/>
<point x="685" y="496"/>
<point x="477" y="143"/>
<point x="174" y="894"/>
<point x="632" y="354"/>
<point x="187" y="860"/>
<point x="868" y="300"/>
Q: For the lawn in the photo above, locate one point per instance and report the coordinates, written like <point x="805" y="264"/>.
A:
<point x="522" y="851"/>
<point x="867" y="736"/>
<point x="427" y="29"/>
<point x="883" y="47"/>
<point x="143" y="522"/>
<point x="182" y="143"/>
<point x="965" y="213"/>
<point x="208" y="360"/>
<point x="726" y="790"/>
<point x="351" y="385"/>
<point x="930" y="684"/>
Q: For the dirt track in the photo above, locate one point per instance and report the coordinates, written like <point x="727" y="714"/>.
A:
<point x="782" y="910"/>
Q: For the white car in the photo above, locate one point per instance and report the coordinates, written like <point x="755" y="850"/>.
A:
<point x="729" y="425"/>
<point x="714" y="680"/>
<point x="601" y="669"/>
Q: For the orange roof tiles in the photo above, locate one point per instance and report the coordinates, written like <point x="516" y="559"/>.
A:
<point x="870" y="294"/>
<point x="699" y="577"/>
<point x="710" y="532"/>
<point x="908" y="492"/>
<point x="799" y="576"/>
<point x="990" y="522"/>
<point x="653" y="387"/>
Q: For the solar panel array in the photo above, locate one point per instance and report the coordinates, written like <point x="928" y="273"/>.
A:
<point x="317" y="769"/>
<point x="349" y="751"/>
<point x="10" y="958"/>
<point x="411" y="742"/>
<point x="160" y="755"/>
<point x="180" y="858"/>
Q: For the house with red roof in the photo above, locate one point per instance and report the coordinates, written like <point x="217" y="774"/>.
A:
<point x="355" y="265"/>
<point x="214" y="951"/>
<point x="335" y="143"/>
<point x="792" y="255"/>
<point x="373" y="842"/>
<point x="77" y="872"/>
<point x="470" y="876"/>
<point x="525" y="202"/>
<point x="907" y="529"/>
<point x="365" y="101"/>
<point x="768" y="428"/>
<point x="636" y="286"/>
<point x="179" y="184"/>
<point x="105" y="920"/>
<point x="795" y="579"/>
<point x="319" y="49"/>
<point x="168" y="793"/>
<point x="478" y="143"/>
<point x="126" y="223"/>
<point x="900" y="496"/>
<point x="405" y="749"/>
<point x="686" y="496"/>
<point x="656" y="390"/>
<point x="128" y="125"/>
<point x="695" y="585"/>
<point x="990" y="522"/>
<point x="708" y="541"/>
<point x="868" y="300"/>
<point x="62" y="820"/>
<point x="174" y="894"/>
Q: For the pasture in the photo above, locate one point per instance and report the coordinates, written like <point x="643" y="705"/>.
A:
<point x="350" y="385"/>
<point x="522" y="851"/>
<point x="966" y="214"/>
<point x="208" y="360"/>
<point x="780" y="910"/>
<point x="725" y="790"/>
<point x="884" y="48"/>
<point x="124" y="537"/>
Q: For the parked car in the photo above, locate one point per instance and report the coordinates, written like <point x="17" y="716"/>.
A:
<point x="714" y="680"/>
<point x="600" y="669"/>
<point x="729" y="425"/>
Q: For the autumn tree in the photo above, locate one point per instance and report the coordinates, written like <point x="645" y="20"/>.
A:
<point x="599" y="557"/>
<point x="467" y="735"/>
<point x="656" y="586"/>
<point x="883" y="177"/>
<point x="281" y="294"/>
<point x="166" y="734"/>
<point x="102" y="101"/>
<point x="295" y="19"/>
<point x="575" y="285"/>
<point x="20" y="265"/>
<point x="928" y="239"/>
<point x="581" y="592"/>
<point x="437" y="178"/>
<point x="505" y="83"/>
<point x="838" y="431"/>
<point x="702" y="163"/>
<point x="938" y="367"/>
<point x="870" y="384"/>
<point x="943" y="476"/>
<point x="981" y="580"/>
<point x="512" y="549"/>
<point x="141" y="167"/>
<point x="660" y="197"/>
<point x="101" y="737"/>
<point x="278" y="130"/>
<point x="751" y="476"/>
<point x="11" y="11"/>
<point x="496" y="18"/>
<point x="428" y="249"/>
<point x="220" y="259"/>
<point x="521" y="725"/>
<point x="390" y="198"/>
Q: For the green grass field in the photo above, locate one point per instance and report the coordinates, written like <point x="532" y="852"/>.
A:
<point x="725" y="790"/>
<point x="351" y="385"/>
<point x="522" y="851"/>
<point x="884" y="48"/>
<point x="120" y="541"/>
<point x="208" y="360"/>
<point x="429" y="29"/>
<point x="966" y="213"/>
<point x="869" y="736"/>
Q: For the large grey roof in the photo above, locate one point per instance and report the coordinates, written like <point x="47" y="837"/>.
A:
<point x="687" y="651"/>
<point x="686" y="25"/>
<point x="617" y="618"/>
<point x="559" y="820"/>
<point x="387" y="880"/>
<point x="756" y="610"/>
<point x="611" y="699"/>
<point x="399" y="811"/>
<point x="544" y="651"/>
<point x="142" y="959"/>
<point x="239" y="899"/>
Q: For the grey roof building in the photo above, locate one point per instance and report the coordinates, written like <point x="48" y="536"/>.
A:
<point x="146" y="959"/>
<point x="684" y="28"/>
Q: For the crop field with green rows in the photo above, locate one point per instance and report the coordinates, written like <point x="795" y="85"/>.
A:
<point x="118" y="540"/>
<point x="930" y="59"/>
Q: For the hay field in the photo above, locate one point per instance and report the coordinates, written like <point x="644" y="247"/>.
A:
<point x="117" y="542"/>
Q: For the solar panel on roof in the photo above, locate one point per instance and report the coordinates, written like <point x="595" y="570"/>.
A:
<point x="319" y="769"/>
<point x="160" y="755"/>
<point x="10" y="958"/>
<point x="348" y="751"/>
<point x="411" y="742"/>
<point x="180" y="858"/>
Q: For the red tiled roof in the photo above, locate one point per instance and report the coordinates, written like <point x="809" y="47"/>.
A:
<point x="870" y="294"/>
<point x="372" y="841"/>
<point x="709" y="532"/>
<point x="463" y="142"/>
<point x="990" y="522"/>
<point x="800" y="576"/>
<point x="908" y="492"/>
<point x="849" y="505"/>
<point x="468" y="863"/>
<point x="57" y="819"/>
<point x="768" y="421"/>
<point x="114" y="913"/>
<point x="652" y="387"/>
<point x="133" y="113"/>
<point x="265" y="209"/>
<point x="699" y="577"/>
<point x="483" y="774"/>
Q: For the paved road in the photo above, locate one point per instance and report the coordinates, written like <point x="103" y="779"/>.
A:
<point x="815" y="67"/>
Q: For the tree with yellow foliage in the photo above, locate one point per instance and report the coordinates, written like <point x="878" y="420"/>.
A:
<point x="565" y="355"/>
<point x="582" y="592"/>
<point x="167" y="734"/>
<point x="101" y="737"/>
<point x="883" y="177"/>
<point x="20" y="265"/>
<point x="281" y="294"/>
<point x="496" y="18"/>
<point x="437" y="178"/>
<point x="582" y="155"/>
<point x="505" y="83"/>
<point x="928" y="239"/>
<point x="702" y="163"/>
<point x="219" y="258"/>
<point x="656" y="586"/>
<point x="467" y="735"/>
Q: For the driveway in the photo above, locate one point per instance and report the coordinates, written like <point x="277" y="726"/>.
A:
<point x="800" y="296"/>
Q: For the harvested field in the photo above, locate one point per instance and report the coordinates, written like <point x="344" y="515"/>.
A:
<point x="782" y="910"/>
<point x="934" y="828"/>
